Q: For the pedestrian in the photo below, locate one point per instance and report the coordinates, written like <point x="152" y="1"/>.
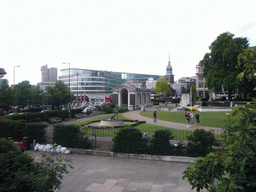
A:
<point x="192" y="118"/>
<point x="145" y="135"/>
<point x="187" y="118"/>
<point x="155" y="116"/>
<point x="197" y="118"/>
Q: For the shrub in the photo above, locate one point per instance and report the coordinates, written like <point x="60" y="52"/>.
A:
<point x="160" y="144"/>
<point x="222" y="98"/>
<point x="205" y="99"/>
<point x="200" y="143"/>
<point x="19" y="172"/>
<point x="177" y="100"/>
<point x="75" y="111"/>
<point x="70" y="136"/>
<point x="129" y="141"/>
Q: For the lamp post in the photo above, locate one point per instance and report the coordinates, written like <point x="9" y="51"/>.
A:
<point x="69" y="81"/>
<point x="14" y="77"/>
<point x="77" y="88"/>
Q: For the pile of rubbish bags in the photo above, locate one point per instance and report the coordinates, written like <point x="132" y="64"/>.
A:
<point x="51" y="149"/>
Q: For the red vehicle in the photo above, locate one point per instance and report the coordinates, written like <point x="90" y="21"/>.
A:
<point x="108" y="99"/>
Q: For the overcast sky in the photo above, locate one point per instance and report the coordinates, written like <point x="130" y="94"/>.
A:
<point x="133" y="36"/>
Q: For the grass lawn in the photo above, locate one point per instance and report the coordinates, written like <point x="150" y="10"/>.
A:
<point x="211" y="119"/>
<point x="144" y="127"/>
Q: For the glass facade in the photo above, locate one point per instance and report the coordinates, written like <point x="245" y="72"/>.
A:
<point x="85" y="81"/>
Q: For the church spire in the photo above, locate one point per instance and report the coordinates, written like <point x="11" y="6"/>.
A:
<point x="169" y="67"/>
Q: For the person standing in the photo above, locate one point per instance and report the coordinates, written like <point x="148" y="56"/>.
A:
<point x="155" y="116"/>
<point x="192" y="118"/>
<point x="197" y="118"/>
<point x="187" y="118"/>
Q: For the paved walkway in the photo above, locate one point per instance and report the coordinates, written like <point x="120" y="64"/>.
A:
<point x="136" y="115"/>
<point x="110" y="174"/>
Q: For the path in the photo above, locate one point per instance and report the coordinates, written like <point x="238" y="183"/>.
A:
<point x="136" y="115"/>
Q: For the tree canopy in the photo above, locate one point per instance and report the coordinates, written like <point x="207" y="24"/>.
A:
<point x="247" y="60"/>
<point x="23" y="93"/>
<point x="162" y="86"/>
<point x="59" y="94"/>
<point x="6" y="96"/>
<point x="220" y="65"/>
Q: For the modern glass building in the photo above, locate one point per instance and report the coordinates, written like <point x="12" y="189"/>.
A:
<point x="88" y="82"/>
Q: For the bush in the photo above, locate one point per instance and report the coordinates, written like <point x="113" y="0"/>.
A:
<point x="129" y="141"/>
<point x="160" y="144"/>
<point x="200" y="143"/>
<point x="70" y="136"/>
<point x="177" y="100"/>
<point x="75" y="111"/>
<point x="19" y="172"/>
<point x="222" y="99"/>
<point x="205" y="99"/>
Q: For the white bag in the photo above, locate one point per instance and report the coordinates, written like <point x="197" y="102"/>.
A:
<point x="47" y="148"/>
<point x="41" y="147"/>
<point x="63" y="150"/>
<point x="36" y="148"/>
<point x="58" y="150"/>
<point x="67" y="152"/>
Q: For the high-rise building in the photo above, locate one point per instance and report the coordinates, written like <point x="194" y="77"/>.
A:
<point x="48" y="74"/>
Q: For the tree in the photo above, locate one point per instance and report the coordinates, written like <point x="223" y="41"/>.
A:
<point x="234" y="168"/>
<point x="247" y="60"/>
<point x="220" y="64"/>
<point x="59" y="94"/>
<point x="6" y="96"/>
<point x="37" y="95"/>
<point x="23" y="94"/>
<point x="162" y="86"/>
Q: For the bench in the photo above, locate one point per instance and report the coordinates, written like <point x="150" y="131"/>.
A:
<point x="53" y="120"/>
<point x="80" y="115"/>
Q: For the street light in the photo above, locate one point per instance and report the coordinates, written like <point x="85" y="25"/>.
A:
<point x="14" y="77"/>
<point x="77" y="87"/>
<point x="69" y="82"/>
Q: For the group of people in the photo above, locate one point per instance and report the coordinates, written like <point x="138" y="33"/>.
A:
<point x="190" y="118"/>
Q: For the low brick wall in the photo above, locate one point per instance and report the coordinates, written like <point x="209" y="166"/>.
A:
<point x="178" y="159"/>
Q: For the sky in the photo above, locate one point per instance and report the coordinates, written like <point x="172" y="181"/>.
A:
<point x="134" y="36"/>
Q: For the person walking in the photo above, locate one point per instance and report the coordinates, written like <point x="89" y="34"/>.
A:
<point x="155" y="116"/>
<point x="197" y="118"/>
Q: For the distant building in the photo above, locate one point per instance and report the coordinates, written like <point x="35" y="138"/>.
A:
<point x="48" y="77"/>
<point x="48" y="74"/>
<point x="202" y="90"/>
<point x="169" y="75"/>
<point x="96" y="84"/>
<point x="151" y="83"/>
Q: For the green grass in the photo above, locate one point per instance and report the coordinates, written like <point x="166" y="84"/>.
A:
<point x="211" y="119"/>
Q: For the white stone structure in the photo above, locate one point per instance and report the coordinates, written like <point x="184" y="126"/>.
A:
<point x="131" y="94"/>
<point x="185" y="100"/>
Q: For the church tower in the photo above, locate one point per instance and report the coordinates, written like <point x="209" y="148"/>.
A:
<point x="169" y="76"/>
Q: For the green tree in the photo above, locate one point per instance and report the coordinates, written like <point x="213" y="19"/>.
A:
<point x="6" y="96"/>
<point x="37" y="95"/>
<point x="234" y="168"/>
<point x="162" y="86"/>
<point x="247" y="60"/>
<point x="23" y="94"/>
<point x="220" y="64"/>
<point x="59" y="94"/>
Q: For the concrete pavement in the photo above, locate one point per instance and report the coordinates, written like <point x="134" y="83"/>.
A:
<point x="110" y="174"/>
